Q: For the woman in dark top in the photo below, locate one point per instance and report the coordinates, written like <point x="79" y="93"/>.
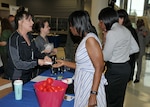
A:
<point x="42" y="43"/>
<point x="6" y="31"/>
<point x="124" y="20"/>
<point x="23" y="55"/>
<point x="142" y="33"/>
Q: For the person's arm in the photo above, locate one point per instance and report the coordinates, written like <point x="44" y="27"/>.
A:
<point x="37" y="53"/>
<point x="109" y="46"/>
<point x="134" y="46"/>
<point x="64" y="63"/>
<point x="39" y="44"/>
<point x="3" y="43"/>
<point x="4" y="37"/>
<point x="95" y="53"/>
<point x="144" y="31"/>
<point x="104" y="38"/>
<point x="14" y="53"/>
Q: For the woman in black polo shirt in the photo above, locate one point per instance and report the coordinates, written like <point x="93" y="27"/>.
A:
<point x="23" y="55"/>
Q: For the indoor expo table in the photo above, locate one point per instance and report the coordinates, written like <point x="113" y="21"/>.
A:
<point x="29" y="98"/>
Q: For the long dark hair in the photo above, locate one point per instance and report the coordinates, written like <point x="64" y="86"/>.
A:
<point x="109" y="16"/>
<point x="21" y="13"/>
<point x="81" y="21"/>
<point x="5" y="25"/>
<point x="123" y="14"/>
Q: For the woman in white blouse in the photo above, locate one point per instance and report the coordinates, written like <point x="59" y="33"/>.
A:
<point x="119" y="44"/>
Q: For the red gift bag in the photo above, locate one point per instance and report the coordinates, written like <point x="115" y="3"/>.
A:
<point x="50" y="98"/>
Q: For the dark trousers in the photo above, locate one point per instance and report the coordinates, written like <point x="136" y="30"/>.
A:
<point x="117" y="75"/>
<point x="4" y="60"/>
<point x="132" y="61"/>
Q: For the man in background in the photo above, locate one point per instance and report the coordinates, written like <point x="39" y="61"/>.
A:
<point x="11" y="19"/>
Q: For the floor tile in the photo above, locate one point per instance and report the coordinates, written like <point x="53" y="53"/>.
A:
<point x="138" y="94"/>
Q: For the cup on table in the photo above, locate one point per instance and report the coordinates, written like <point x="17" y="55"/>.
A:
<point x="18" y="89"/>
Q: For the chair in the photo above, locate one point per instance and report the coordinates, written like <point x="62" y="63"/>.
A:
<point x="60" y="53"/>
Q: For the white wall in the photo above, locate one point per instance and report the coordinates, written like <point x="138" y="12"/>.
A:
<point x="87" y="5"/>
<point x="96" y="6"/>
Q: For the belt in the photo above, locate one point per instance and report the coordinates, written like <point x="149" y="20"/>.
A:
<point x="108" y="64"/>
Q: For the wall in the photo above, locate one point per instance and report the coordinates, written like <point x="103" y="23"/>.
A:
<point x="59" y="8"/>
<point x="4" y="12"/>
<point x="12" y="2"/>
<point x="62" y="8"/>
<point x="87" y="5"/>
<point x="97" y="5"/>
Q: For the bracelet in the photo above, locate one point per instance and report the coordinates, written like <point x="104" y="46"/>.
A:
<point x="94" y="92"/>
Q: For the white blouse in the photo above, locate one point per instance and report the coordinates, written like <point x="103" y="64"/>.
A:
<point x="119" y="44"/>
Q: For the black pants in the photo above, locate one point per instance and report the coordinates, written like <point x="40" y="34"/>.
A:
<point x="132" y="61"/>
<point x="117" y="75"/>
<point x="4" y="60"/>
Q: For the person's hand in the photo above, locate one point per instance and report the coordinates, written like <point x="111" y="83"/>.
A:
<point x="47" y="51"/>
<point x="92" y="101"/>
<point x="58" y="64"/>
<point x="144" y="33"/>
<point x="54" y="51"/>
<point x="3" y="43"/>
<point x="47" y="59"/>
<point x="41" y="62"/>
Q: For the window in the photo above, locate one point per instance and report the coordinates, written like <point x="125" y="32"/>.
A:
<point x="118" y="3"/>
<point x="136" y="7"/>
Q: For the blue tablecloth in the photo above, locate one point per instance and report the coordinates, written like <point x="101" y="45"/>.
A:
<point x="29" y="96"/>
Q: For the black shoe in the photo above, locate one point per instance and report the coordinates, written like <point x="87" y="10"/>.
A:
<point x="136" y="81"/>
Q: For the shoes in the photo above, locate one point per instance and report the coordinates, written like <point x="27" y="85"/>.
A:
<point x="136" y="81"/>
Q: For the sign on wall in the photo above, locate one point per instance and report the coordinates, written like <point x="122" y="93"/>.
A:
<point x="13" y="9"/>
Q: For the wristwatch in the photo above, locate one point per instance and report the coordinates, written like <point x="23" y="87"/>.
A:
<point x="94" y="92"/>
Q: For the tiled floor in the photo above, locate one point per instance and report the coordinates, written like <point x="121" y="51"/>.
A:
<point x="138" y="94"/>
